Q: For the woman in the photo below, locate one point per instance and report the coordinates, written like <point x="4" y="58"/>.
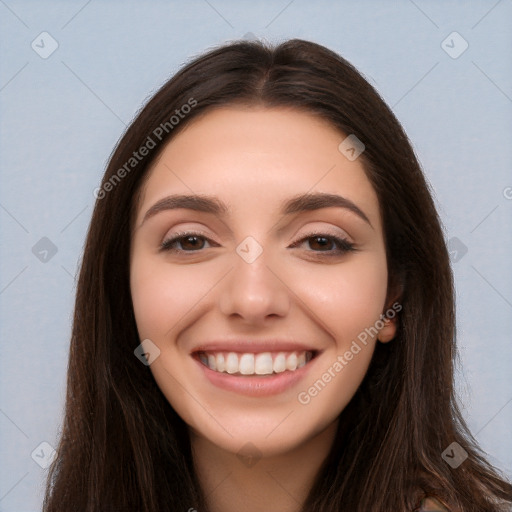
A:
<point x="265" y="309"/>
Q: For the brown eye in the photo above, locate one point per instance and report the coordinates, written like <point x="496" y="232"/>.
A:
<point x="188" y="242"/>
<point x="329" y="244"/>
<point x="321" y="242"/>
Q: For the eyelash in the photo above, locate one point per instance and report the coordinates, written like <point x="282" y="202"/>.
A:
<point x="344" y="246"/>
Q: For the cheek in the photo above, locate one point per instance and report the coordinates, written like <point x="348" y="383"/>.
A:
<point x="348" y="302"/>
<point x="161" y="296"/>
<point x="349" y="297"/>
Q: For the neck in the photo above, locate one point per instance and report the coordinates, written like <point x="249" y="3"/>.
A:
<point x="278" y="483"/>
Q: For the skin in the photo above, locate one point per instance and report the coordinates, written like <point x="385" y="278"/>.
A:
<point x="254" y="159"/>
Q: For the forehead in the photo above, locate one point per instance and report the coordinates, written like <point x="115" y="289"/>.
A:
<point x="256" y="158"/>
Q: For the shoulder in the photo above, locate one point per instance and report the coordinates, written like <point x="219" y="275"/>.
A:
<point x="431" y="505"/>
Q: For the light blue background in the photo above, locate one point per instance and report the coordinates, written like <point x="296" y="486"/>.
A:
<point x="61" y="117"/>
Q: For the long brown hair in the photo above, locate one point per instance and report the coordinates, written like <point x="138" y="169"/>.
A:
<point x="124" y="448"/>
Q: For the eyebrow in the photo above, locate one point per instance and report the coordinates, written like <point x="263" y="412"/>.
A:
<point x="296" y="204"/>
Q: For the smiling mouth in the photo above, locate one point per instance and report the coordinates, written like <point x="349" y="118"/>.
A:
<point x="248" y="363"/>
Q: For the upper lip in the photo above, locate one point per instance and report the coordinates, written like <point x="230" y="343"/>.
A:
<point x="247" y="345"/>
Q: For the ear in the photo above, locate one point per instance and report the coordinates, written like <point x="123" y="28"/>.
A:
<point x="388" y="332"/>
<point x="390" y="316"/>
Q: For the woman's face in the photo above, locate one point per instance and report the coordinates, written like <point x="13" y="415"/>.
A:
<point x="265" y="324"/>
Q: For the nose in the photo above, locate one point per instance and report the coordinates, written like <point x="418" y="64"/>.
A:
<point x="254" y="292"/>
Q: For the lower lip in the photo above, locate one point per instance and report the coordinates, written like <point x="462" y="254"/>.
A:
<point x="264" y="385"/>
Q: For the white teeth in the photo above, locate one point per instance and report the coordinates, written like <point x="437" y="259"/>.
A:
<point x="246" y="366"/>
<point x="280" y="363"/>
<point x="231" y="363"/>
<point x="291" y="362"/>
<point x="264" y="363"/>
<point x="220" y="363"/>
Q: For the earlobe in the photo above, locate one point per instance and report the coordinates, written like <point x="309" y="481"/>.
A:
<point x="388" y="332"/>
